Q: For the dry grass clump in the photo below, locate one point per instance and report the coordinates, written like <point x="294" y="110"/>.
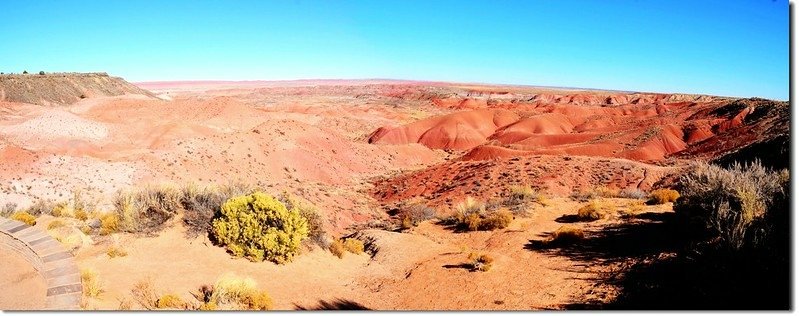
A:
<point x="41" y="207"/>
<point x="8" y="209"/>
<point x="481" y="263"/>
<point x="341" y="246"/>
<point x="92" y="286"/>
<point x="80" y="214"/>
<point x="520" y="196"/>
<point x="354" y="245"/>
<point x="415" y="213"/>
<point x="565" y="235"/>
<point x="144" y="293"/>
<point x="743" y="206"/>
<point x="109" y="223"/>
<point x="663" y="196"/>
<point x="632" y="194"/>
<point x="595" y="193"/>
<point x="55" y="224"/>
<point x="116" y="251"/>
<point x="471" y="215"/>
<point x="595" y="210"/>
<point x="337" y="248"/>
<point x="24" y="217"/>
<point x="633" y="208"/>
<point x="235" y="292"/>
<point x="170" y="301"/>
<point x="146" y="211"/>
<point x="200" y="205"/>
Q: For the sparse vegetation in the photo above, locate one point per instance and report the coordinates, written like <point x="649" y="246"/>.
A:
<point x="565" y="235"/>
<point x="663" y="196"/>
<point x="91" y="283"/>
<point x="201" y="205"/>
<point x="519" y="198"/>
<point x="744" y="206"/>
<point x="594" y="210"/>
<point x="24" y="217"/>
<point x="170" y="301"/>
<point x="316" y="230"/>
<point x="40" y="207"/>
<point x="471" y="215"/>
<point x="481" y="262"/>
<point x="8" y="209"/>
<point x="109" y="223"/>
<point x="230" y="289"/>
<point x="337" y="248"/>
<point x="144" y="293"/>
<point x="415" y="213"/>
<point x="341" y="246"/>
<point x="259" y="227"/>
<point x="116" y="251"/>
<point x="353" y="245"/>
<point x="55" y="224"/>
<point x="147" y="210"/>
<point x="81" y="215"/>
<point x="633" y="194"/>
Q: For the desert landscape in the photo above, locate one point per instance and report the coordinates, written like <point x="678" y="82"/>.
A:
<point x="389" y="195"/>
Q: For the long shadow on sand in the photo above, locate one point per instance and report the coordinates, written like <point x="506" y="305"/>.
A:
<point x="655" y="270"/>
<point x="336" y="304"/>
<point x="645" y="235"/>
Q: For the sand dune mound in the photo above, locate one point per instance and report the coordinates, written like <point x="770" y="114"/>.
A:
<point x="548" y="123"/>
<point x="63" y="88"/>
<point x="461" y="130"/>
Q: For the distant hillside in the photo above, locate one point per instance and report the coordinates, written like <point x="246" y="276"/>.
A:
<point x="63" y="88"/>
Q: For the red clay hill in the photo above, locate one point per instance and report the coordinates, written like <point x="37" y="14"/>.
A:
<point x="566" y="141"/>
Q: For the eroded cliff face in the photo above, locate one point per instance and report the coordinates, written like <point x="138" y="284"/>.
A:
<point x="63" y="88"/>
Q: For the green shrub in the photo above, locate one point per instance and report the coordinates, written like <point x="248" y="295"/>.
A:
<point x="24" y="217"/>
<point x="663" y="196"/>
<point x="259" y="227"/>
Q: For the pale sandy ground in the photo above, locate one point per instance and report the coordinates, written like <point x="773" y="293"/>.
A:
<point x="21" y="287"/>
<point x="416" y="270"/>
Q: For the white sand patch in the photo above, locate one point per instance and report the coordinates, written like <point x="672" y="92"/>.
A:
<point x="55" y="124"/>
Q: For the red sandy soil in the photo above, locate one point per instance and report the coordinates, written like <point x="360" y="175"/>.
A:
<point x="353" y="148"/>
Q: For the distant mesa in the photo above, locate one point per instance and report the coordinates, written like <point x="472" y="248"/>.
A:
<point x="55" y="89"/>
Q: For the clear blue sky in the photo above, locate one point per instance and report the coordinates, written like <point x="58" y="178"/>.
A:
<point x="734" y="48"/>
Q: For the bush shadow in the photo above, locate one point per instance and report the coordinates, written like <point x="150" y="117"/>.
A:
<point x="335" y="304"/>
